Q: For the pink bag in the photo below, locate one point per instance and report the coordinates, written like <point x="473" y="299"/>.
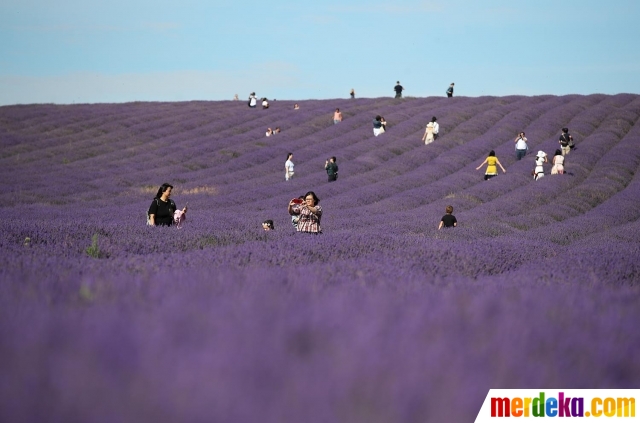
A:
<point x="178" y="217"/>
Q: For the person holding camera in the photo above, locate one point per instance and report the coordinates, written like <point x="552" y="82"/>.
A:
<point x="521" y="146"/>
<point x="309" y="213"/>
<point x="331" y="167"/>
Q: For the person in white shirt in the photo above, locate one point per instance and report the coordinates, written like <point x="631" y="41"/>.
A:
<point x="436" y="128"/>
<point x="253" y="100"/>
<point x="265" y="103"/>
<point x="521" y="146"/>
<point x="288" y="167"/>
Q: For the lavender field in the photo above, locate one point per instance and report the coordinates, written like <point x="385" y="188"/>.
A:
<point x="382" y="318"/>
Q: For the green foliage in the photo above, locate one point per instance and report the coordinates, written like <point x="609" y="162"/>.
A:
<point x="93" y="250"/>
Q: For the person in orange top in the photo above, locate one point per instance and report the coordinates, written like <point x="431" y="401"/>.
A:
<point x="492" y="169"/>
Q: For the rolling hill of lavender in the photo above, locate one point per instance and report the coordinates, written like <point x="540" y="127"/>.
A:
<point x="382" y="318"/>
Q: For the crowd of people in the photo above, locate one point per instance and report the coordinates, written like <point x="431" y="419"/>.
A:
<point x="305" y="210"/>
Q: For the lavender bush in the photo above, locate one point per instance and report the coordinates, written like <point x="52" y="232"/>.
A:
<point x="383" y="318"/>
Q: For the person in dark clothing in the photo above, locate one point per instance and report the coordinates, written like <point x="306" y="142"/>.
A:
<point x="332" y="169"/>
<point x="448" y="220"/>
<point x="450" y="90"/>
<point x="398" y="89"/>
<point x="566" y="141"/>
<point x="377" y="126"/>
<point x="162" y="207"/>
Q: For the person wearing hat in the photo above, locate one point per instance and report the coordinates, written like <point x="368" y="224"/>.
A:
<point x="492" y="169"/>
<point x="429" y="134"/>
<point x="541" y="158"/>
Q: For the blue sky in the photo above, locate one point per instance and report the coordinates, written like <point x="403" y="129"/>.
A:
<point x="87" y="51"/>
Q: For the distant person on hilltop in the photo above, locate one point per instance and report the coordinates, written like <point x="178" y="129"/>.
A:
<point x="265" y="103"/>
<point x="352" y="93"/>
<point x="448" y="220"/>
<point x="253" y="100"/>
<point x="450" y="90"/>
<point x="566" y="141"/>
<point x="288" y="167"/>
<point x="337" y="117"/>
<point x="235" y="97"/>
<point x="377" y="126"/>
<point x="310" y="213"/>
<point x="332" y="168"/>
<point x="436" y="128"/>
<point x="398" y="89"/>
<point x="296" y="107"/>
<point x="521" y="146"/>
<point x="492" y="169"/>
<point x="558" y="163"/>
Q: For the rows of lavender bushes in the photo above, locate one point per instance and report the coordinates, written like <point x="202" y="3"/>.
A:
<point x="383" y="318"/>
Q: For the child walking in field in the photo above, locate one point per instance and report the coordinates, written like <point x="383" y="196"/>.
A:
<point x="448" y="220"/>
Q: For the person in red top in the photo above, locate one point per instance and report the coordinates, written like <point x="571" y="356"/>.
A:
<point x="310" y="213"/>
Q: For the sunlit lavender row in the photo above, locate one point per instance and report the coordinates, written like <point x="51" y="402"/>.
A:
<point x="381" y="318"/>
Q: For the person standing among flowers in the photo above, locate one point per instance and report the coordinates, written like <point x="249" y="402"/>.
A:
<point x="288" y="167"/>
<point x="565" y="141"/>
<point x="377" y="126"/>
<point x="492" y="169"/>
<point x="398" y="89"/>
<point x="429" y="135"/>
<point x="521" y="146"/>
<point x="541" y="159"/>
<point x="253" y="100"/>
<point x="436" y="128"/>
<point x="448" y="220"/>
<point x="163" y="208"/>
<point x="337" y="117"/>
<point x="309" y="212"/>
<point x="352" y="93"/>
<point x="332" y="169"/>
<point x="558" y="163"/>
<point x="450" y="90"/>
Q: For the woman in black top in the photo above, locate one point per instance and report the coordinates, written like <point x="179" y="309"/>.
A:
<point x="162" y="207"/>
